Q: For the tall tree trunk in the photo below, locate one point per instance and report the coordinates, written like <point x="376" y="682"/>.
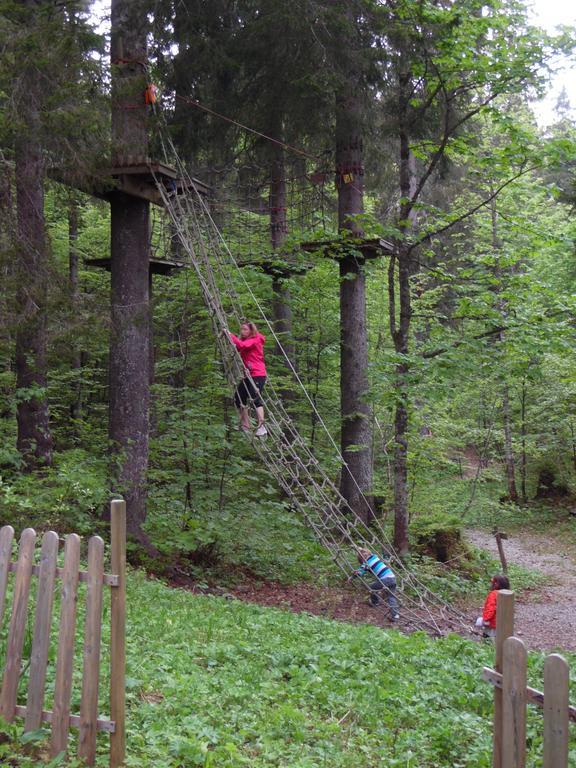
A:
<point x="400" y="327"/>
<point x="130" y="231"/>
<point x="509" y="462"/>
<point x="73" y="264"/>
<point x="356" y="440"/>
<point x="7" y="227"/>
<point x="34" y="440"/>
<point x="523" y="438"/>
<point x="281" y="299"/>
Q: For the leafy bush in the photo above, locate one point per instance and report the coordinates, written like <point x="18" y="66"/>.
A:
<point x="222" y="684"/>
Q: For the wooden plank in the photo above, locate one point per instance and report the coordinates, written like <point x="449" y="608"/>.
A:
<point x="556" y="702"/>
<point x="118" y="634"/>
<point x="504" y="630"/>
<point x="66" y="636"/>
<point x="41" y="635"/>
<point x="110" y="579"/>
<point x="102" y="724"/>
<point x="514" y="704"/>
<point x="17" y="624"/>
<point x="92" y="638"/>
<point x="533" y="696"/>
<point x="6" y="539"/>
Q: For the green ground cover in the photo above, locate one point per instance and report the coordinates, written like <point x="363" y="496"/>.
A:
<point x="219" y="683"/>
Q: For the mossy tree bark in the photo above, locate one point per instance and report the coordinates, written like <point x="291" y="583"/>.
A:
<point x="34" y="440"/>
<point x="356" y="436"/>
<point x="130" y="254"/>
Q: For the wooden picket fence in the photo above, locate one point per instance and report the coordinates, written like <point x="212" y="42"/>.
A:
<point x="87" y="721"/>
<point x="511" y="696"/>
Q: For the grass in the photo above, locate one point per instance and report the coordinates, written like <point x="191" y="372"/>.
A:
<point x="215" y="682"/>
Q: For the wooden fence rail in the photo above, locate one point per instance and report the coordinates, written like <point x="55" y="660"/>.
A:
<point x="512" y="694"/>
<point x="47" y="571"/>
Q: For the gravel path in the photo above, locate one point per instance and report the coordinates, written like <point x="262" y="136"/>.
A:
<point x="545" y="617"/>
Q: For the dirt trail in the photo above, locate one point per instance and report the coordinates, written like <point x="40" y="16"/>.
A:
<point x="546" y="616"/>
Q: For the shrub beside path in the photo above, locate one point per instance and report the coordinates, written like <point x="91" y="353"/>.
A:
<point x="546" y="616"/>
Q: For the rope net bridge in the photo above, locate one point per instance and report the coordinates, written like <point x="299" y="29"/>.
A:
<point x="284" y="452"/>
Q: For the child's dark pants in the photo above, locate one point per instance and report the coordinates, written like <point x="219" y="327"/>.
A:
<point x="387" y="584"/>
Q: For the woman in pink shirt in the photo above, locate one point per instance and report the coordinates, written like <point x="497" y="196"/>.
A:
<point x="250" y="345"/>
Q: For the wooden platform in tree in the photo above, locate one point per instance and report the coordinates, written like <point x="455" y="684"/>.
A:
<point x="277" y="265"/>
<point x="371" y="248"/>
<point x="139" y="179"/>
<point x="156" y="266"/>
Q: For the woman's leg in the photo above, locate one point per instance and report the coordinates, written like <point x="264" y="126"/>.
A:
<point x="241" y="403"/>
<point x="260" y="414"/>
<point x="244" y="417"/>
<point x="259" y="382"/>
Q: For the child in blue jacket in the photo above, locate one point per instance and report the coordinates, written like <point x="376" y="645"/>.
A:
<point x="385" y="580"/>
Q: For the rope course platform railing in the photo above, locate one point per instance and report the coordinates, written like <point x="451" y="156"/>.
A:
<point x="285" y="452"/>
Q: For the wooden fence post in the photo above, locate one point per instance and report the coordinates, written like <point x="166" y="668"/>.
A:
<point x="504" y="630"/>
<point x="17" y="624"/>
<point x="66" y="642"/>
<point x="6" y="539"/>
<point x="92" y="640"/>
<point x="41" y="636"/>
<point x="514" y="663"/>
<point x="556" y="716"/>
<point x="118" y="634"/>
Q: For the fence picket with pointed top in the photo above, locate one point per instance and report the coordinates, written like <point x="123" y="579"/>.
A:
<point x="92" y="637"/>
<point x="66" y="637"/>
<point x="17" y="624"/>
<point x="556" y="703"/>
<point x="6" y="539"/>
<point x="41" y="636"/>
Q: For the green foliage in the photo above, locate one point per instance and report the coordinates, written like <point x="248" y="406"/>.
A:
<point x="214" y="682"/>
<point x="70" y="496"/>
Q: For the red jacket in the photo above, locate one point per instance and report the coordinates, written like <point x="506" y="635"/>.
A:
<point x="252" y="353"/>
<point x="489" y="610"/>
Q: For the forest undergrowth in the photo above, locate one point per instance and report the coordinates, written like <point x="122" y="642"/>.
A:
<point x="217" y="682"/>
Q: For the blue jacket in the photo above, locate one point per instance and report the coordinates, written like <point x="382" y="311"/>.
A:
<point x="376" y="567"/>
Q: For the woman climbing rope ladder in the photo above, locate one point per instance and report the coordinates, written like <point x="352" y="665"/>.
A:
<point x="250" y="345"/>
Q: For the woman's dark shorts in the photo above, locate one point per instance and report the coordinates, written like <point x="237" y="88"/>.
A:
<point x="249" y="393"/>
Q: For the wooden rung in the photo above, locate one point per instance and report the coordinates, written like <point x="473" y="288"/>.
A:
<point x="110" y="579"/>
<point x="102" y="724"/>
<point x="532" y="695"/>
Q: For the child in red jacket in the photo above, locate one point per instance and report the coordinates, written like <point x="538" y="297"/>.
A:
<point x="488" y="619"/>
<point x="250" y="345"/>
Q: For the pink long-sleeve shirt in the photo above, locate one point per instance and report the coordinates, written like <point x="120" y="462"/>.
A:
<point x="252" y="353"/>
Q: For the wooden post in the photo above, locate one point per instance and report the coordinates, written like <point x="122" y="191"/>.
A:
<point x="92" y="638"/>
<point x="41" y="636"/>
<point x="17" y="624"/>
<point x="500" y="537"/>
<point x="556" y="712"/>
<point x="6" y="539"/>
<point x="66" y="643"/>
<point x="514" y="665"/>
<point x="504" y="630"/>
<point x="118" y="634"/>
